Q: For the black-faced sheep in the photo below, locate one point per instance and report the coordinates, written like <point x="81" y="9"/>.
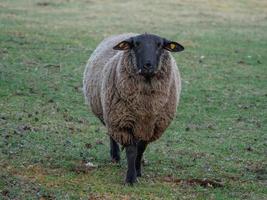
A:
<point x="132" y="84"/>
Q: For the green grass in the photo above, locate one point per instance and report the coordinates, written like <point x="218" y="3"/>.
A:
<point x="220" y="131"/>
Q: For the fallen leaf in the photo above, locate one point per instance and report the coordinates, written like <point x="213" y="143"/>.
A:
<point x="99" y="142"/>
<point x="83" y="168"/>
<point x="202" y="182"/>
<point x="88" y="145"/>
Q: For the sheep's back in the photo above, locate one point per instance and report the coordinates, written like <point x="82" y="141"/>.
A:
<point x="94" y="71"/>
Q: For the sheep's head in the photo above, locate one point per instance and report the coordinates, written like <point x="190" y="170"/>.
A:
<point x="148" y="49"/>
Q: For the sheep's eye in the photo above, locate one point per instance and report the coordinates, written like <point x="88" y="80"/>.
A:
<point x="137" y="44"/>
<point x="158" y="44"/>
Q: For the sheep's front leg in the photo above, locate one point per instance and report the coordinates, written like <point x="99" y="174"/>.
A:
<point x="141" y="147"/>
<point x="131" y="151"/>
<point x="114" y="150"/>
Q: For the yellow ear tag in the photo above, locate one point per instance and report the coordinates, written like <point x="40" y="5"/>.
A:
<point x="173" y="46"/>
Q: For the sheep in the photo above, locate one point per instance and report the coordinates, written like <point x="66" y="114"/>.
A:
<point x="132" y="84"/>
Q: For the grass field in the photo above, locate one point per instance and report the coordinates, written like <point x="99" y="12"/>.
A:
<point x="216" y="147"/>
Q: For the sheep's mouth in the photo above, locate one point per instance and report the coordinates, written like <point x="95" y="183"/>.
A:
<point x="147" y="73"/>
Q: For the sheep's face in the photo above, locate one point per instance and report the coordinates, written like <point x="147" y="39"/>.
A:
<point x="148" y="49"/>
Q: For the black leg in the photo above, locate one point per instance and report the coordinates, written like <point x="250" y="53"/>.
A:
<point x="131" y="151"/>
<point x="141" y="147"/>
<point x="114" y="150"/>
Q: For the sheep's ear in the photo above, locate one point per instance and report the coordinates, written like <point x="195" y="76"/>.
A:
<point x="124" y="45"/>
<point x="172" y="46"/>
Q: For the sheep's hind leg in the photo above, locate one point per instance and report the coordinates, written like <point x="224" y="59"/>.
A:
<point x="131" y="151"/>
<point x="141" y="147"/>
<point x="114" y="151"/>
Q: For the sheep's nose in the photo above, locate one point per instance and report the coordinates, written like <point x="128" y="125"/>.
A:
<point x="147" y="66"/>
<point x="148" y="69"/>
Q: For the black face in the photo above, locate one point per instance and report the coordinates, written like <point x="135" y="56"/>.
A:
<point x="148" y="49"/>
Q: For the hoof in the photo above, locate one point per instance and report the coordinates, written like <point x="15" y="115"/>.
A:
<point x="113" y="160"/>
<point x="130" y="181"/>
